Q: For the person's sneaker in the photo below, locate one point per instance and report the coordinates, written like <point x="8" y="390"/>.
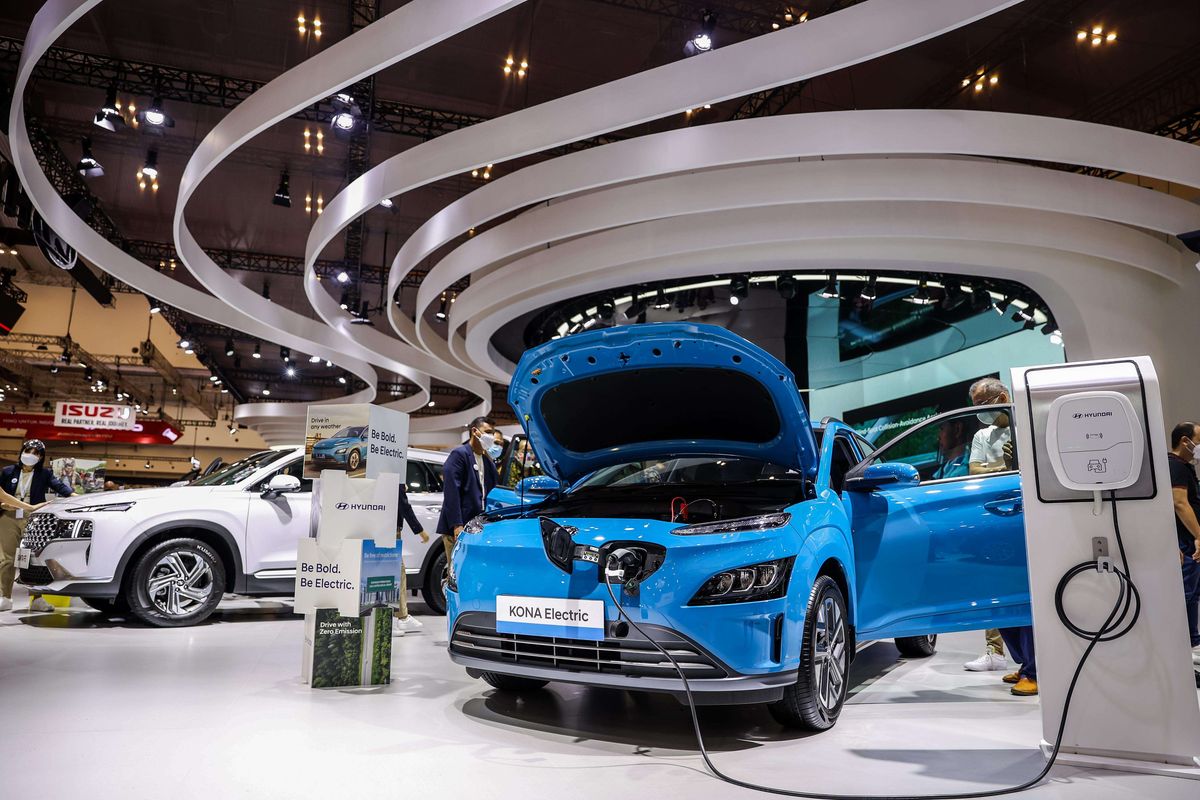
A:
<point x="38" y="604"/>
<point x="403" y="625"/>
<point x="5" y="604"/>
<point x="1025" y="688"/>
<point x="986" y="663"/>
<point x="1011" y="677"/>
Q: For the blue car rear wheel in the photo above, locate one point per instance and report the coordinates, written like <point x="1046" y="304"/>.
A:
<point x="815" y="700"/>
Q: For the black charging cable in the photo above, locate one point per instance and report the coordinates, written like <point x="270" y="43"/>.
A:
<point x="1111" y="629"/>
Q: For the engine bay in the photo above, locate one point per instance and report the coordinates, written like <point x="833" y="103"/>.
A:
<point x="689" y="504"/>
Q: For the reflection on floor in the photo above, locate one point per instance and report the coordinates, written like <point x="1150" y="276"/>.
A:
<point x="104" y="709"/>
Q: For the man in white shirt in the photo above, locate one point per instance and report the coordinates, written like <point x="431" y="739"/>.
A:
<point x="992" y="447"/>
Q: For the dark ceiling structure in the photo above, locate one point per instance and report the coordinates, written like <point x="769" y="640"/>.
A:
<point x="198" y="59"/>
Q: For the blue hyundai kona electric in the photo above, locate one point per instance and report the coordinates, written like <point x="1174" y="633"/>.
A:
<point x="757" y="548"/>
<point x="346" y="449"/>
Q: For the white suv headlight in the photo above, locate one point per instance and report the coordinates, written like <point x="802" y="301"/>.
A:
<point x="125" y="506"/>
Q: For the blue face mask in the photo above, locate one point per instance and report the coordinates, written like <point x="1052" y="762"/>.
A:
<point x="495" y="450"/>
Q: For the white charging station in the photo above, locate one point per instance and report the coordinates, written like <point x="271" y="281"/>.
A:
<point x="1085" y="432"/>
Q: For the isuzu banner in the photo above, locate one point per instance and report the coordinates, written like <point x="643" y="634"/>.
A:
<point x="69" y="414"/>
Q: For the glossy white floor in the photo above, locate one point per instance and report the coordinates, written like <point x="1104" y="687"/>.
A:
<point x="97" y="709"/>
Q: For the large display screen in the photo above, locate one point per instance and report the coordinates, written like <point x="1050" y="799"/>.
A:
<point x="884" y="421"/>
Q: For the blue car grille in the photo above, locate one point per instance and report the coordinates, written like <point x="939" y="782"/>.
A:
<point x="477" y="638"/>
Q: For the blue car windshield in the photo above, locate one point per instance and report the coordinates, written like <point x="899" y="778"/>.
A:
<point x="352" y="432"/>
<point x="691" y="470"/>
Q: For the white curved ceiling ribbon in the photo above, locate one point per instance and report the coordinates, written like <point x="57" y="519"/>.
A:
<point x="850" y="36"/>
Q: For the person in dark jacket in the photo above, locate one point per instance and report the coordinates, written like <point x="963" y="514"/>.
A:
<point x="402" y="623"/>
<point x="23" y="488"/>
<point x="468" y="475"/>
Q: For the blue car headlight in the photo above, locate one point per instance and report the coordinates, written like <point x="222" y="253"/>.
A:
<point x="767" y="580"/>
<point x="763" y="522"/>
<point x="339" y="451"/>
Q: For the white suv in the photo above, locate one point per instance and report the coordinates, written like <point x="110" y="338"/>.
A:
<point x="168" y="555"/>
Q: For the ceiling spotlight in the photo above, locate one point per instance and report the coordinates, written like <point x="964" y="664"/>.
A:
<point x="229" y="349"/>
<point x="109" y="115"/>
<point x="233" y="429"/>
<point x="283" y="195"/>
<point x="88" y="374"/>
<point x="155" y="116"/>
<point x="88" y="166"/>
<point x="786" y="285"/>
<point x="981" y="299"/>
<point x="344" y="303"/>
<point x="739" y="289"/>
<point x="953" y="296"/>
<point x="314" y="359"/>
<point x="54" y="369"/>
<point x="148" y="465"/>
<point x="285" y="354"/>
<point x="155" y="306"/>
<point x="702" y="41"/>
<point x="257" y="350"/>
<point x="213" y="378"/>
<point x="266" y="290"/>
<point x="921" y="297"/>
<point x="660" y="299"/>
<point x="266" y="392"/>
<point x="150" y="169"/>
<point x="830" y="290"/>
<point x="342" y="378"/>
<point x="444" y="308"/>
<point x="431" y="404"/>
<point x="290" y="371"/>
<point x="184" y="344"/>
<point x="362" y="316"/>
<point x="343" y="277"/>
<point x="386" y="202"/>
<point x="870" y="291"/>
<point x="607" y="309"/>
<point x="343" y="121"/>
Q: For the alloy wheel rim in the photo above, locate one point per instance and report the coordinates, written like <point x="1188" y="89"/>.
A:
<point x="829" y="655"/>
<point x="180" y="583"/>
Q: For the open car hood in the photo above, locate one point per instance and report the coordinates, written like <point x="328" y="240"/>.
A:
<point x="611" y="396"/>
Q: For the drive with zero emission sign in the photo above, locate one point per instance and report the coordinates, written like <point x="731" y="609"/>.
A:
<point x="548" y="616"/>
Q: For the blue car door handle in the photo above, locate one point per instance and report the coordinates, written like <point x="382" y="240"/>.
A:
<point x="1006" y="507"/>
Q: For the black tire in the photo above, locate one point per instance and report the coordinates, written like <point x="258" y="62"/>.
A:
<point x="917" y="646"/>
<point x="433" y="591"/>
<point x="109" y="606"/>
<point x="159" y="576"/>
<point x="511" y="683"/>
<point x="815" y="700"/>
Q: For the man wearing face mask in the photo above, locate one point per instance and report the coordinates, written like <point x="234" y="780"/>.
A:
<point x="992" y="448"/>
<point x="468" y="475"/>
<point x="1185" y="453"/>
<point x="992" y="451"/>
<point x="22" y="489"/>
<point x="497" y="448"/>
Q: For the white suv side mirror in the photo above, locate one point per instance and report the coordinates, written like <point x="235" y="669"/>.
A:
<point x="281" y="483"/>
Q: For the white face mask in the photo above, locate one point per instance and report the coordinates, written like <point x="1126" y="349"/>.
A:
<point x="29" y="459"/>
<point x="486" y="440"/>
<point x="1195" y="453"/>
<point x="988" y="417"/>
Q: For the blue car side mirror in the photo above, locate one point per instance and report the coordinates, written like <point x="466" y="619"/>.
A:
<point x="877" y="475"/>
<point x="536" y="484"/>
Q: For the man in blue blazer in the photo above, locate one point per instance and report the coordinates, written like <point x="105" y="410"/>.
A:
<point x="468" y="475"/>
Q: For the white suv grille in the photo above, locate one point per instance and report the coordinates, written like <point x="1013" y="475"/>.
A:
<point x="45" y="528"/>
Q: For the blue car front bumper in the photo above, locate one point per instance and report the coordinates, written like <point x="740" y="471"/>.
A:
<point x="732" y="653"/>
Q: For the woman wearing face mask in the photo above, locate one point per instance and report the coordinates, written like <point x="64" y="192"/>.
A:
<point x="22" y="489"/>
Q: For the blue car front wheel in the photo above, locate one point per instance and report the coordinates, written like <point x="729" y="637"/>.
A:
<point x="815" y="700"/>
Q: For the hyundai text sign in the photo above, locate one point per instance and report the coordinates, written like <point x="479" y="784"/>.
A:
<point x="94" y="415"/>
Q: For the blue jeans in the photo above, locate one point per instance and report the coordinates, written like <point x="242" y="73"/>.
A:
<point x="1191" y="592"/>
<point x="1019" y="642"/>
